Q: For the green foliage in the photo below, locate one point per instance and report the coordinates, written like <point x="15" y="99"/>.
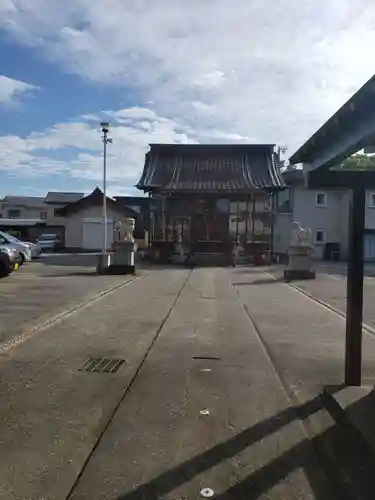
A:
<point x="359" y="162"/>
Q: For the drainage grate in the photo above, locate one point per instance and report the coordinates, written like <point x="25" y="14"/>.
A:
<point x="102" y="365"/>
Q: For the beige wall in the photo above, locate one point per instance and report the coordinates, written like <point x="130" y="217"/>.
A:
<point x="25" y="212"/>
<point x="36" y="212"/>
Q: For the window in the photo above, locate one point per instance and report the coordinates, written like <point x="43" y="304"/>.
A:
<point x="284" y="201"/>
<point x="320" y="236"/>
<point x="48" y="237"/>
<point x="222" y="205"/>
<point x="321" y="199"/>
<point x="14" y="214"/>
<point x="43" y="215"/>
<point x="372" y="200"/>
<point x="136" y="208"/>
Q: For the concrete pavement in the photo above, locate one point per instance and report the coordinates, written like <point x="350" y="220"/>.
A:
<point x="52" y="414"/>
<point x="330" y="287"/>
<point x="221" y="389"/>
<point x="207" y="410"/>
<point x="306" y="343"/>
<point x="43" y="290"/>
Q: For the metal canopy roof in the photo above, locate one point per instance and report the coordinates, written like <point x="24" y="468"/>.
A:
<point x="351" y="128"/>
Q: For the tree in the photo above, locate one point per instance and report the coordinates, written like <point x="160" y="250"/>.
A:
<point x="359" y="162"/>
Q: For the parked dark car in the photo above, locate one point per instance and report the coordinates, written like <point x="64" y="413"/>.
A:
<point x="10" y="260"/>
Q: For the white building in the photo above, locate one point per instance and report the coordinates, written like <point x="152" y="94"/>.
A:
<point x="325" y="212"/>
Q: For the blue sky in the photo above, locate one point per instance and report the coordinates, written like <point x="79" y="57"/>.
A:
<point x="166" y="71"/>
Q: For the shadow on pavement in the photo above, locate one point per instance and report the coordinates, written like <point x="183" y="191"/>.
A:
<point x="249" y="270"/>
<point x="268" y="281"/>
<point x="68" y="260"/>
<point x="73" y="273"/>
<point x="351" y="459"/>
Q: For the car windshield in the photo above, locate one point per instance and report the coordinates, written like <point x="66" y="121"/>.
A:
<point x="5" y="238"/>
<point x="12" y="238"/>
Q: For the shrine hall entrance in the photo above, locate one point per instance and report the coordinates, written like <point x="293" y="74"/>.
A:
<point x="212" y="227"/>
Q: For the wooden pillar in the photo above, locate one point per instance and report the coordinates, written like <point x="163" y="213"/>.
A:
<point x="237" y="218"/>
<point x="163" y="222"/>
<point x="272" y="225"/>
<point x="354" y="302"/>
<point x="174" y="239"/>
<point x="253" y="221"/>
<point x="247" y="221"/>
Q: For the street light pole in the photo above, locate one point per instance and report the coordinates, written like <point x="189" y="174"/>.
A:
<point x="106" y="140"/>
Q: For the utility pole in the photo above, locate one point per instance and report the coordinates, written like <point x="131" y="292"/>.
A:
<point x="106" y="140"/>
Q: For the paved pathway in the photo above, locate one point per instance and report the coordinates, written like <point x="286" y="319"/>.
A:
<point x="207" y="410"/>
<point x="220" y="368"/>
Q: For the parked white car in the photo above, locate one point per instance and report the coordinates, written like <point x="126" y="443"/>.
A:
<point x="48" y="242"/>
<point x="10" y="260"/>
<point x="34" y="249"/>
<point x="22" y="248"/>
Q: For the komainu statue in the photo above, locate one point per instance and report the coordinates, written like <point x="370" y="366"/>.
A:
<point x="124" y="248"/>
<point x="125" y="230"/>
<point x="300" y="236"/>
<point x="301" y="264"/>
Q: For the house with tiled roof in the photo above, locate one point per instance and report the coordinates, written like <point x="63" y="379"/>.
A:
<point x="28" y="217"/>
<point x="208" y="198"/>
<point x="83" y="221"/>
<point x="36" y="207"/>
<point x="77" y="219"/>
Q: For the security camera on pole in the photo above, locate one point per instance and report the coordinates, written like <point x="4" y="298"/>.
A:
<point x="104" y="258"/>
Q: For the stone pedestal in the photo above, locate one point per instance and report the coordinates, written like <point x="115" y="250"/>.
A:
<point x="122" y="261"/>
<point x="103" y="264"/>
<point x="301" y="265"/>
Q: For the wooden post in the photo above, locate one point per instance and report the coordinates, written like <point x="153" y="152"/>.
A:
<point x="163" y="228"/>
<point x="354" y="302"/>
<point x="247" y="221"/>
<point x="237" y="218"/>
<point x="272" y="226"/>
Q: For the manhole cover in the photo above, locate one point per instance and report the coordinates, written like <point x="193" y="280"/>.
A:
<point x="102" y="365"/>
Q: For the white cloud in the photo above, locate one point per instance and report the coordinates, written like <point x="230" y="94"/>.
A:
<point x="11" y="89"/>
<point x="74" y="149"/>
<point x="229" y="70"/>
